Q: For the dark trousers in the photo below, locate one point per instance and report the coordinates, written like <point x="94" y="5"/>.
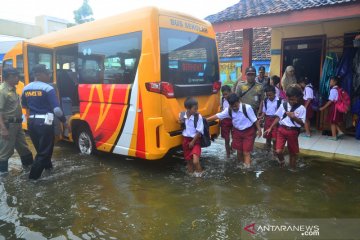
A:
<point x="42" y="137"/>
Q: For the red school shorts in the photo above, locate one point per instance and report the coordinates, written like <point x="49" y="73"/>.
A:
<point x="290" y="136"/>
<point x="188" y="153"/>
<point x="268" y="121"/>
<point x="226" y="126"/>
<point x="243" y="140"/>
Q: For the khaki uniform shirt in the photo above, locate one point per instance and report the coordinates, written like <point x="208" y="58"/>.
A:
<point x="9" y="102"/>
<point x="253" y="97"/>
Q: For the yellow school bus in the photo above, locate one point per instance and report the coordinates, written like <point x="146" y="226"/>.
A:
<point x="122" y="81"/>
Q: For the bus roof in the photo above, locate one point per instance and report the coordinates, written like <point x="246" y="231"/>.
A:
<point x="15" y="50"/>
<point x="131" y="21"/>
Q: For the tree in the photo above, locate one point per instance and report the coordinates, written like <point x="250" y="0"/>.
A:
<point x="84" y="13"/>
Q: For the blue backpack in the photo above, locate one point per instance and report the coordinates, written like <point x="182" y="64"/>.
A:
<point x="205" y="140"/>
<point x="315" y="102"/>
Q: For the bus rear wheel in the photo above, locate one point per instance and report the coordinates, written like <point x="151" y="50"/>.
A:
<point x="85" y="141"/>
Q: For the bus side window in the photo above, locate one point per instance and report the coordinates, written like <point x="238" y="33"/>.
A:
<point x="20" y="67"/>
<point x="111" y="60"/>
<point x="90" y="71"/>
<point x="37" y="55"/>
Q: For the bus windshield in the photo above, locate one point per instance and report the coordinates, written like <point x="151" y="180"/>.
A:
<point x="187" y="58"/>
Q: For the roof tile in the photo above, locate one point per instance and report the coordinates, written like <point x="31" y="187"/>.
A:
<point x="252" y="8"/>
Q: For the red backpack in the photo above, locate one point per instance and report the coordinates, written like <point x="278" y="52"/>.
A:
<point x="343" y="102"/>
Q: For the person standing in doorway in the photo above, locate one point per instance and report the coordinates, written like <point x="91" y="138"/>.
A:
<point x="42" y="104"/>
<point x="11" y="132"/>
<point x="288" y="78"/>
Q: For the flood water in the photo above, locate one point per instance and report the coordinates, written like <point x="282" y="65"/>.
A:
<point x="112" y="197"/>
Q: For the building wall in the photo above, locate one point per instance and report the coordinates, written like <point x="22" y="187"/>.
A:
<point x="330" y="29"/>
<point x="50" y="24"/>
<point x="230" y="69"/>
<point x="16" y="29"/>
<point x="12" y="32"/>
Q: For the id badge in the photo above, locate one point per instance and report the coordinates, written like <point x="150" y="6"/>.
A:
<point x="256" y="98"/>
<point x="49" y="118"/>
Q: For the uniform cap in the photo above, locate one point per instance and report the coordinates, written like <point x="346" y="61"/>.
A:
<point x="10" y="71"/>
<point x="250" y="70"/>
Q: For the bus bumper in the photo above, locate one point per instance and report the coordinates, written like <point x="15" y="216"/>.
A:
<point x="160" y="142"/>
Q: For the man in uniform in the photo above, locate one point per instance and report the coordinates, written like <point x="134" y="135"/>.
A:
<point x="42" y="104"/>
<point x="250" y="92"/>
<point x="261" y="78"/>
<point x="11" y="133"/>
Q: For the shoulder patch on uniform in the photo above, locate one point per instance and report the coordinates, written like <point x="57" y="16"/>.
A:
<point x="244" y="87"/>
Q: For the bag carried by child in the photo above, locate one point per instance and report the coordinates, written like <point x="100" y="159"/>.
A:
<point x="205" y="140"/>
<point x="343" y="103"/>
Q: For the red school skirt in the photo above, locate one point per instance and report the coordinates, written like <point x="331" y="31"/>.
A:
<point x="268" y="122"/>
<point x="226" y="126"/>
<point x="243" y="140"/>
<point x="334" y="116"/>
<point x="188" y="153"/>
<point x="309" y="112"/>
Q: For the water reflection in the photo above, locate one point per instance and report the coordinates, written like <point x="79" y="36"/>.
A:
<point x="108" y="197"/>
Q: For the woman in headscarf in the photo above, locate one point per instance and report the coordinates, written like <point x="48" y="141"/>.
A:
<point x="288" y="77"/>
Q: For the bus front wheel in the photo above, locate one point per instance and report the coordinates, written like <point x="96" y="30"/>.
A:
<point x="85" y="141"/>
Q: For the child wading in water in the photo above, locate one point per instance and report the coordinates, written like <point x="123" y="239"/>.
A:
<point x="243" y="131"/>
<point x="269" y="107"/>
<point x="226" y="123"/>
<point x="334" y="117"/>
<point x="290" y="116"/>
<point x="192" y="133"/>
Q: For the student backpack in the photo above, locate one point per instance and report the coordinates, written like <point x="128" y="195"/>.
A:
<point x="277" y="105"/>
<point x="343" y="103"/>
<point x="243" y="110"/>
<point x="315" y="102"/>
<point x="205" y="140"/>
<point x="293" y="108"/>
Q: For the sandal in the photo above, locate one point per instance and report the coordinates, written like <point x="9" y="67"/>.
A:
<point x="332" y="138"/>
<point x="340" y="135"/>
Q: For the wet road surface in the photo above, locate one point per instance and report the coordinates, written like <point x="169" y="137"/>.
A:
<point x="113" y="197"/>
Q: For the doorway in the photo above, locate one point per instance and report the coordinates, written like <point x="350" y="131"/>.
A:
<point x="306" y="55"/>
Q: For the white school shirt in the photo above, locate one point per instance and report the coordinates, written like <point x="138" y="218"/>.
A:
<point x="239" y="120"/>
<point x="308" y="92"/>
<point x="271" y="107"/>
<point x="277" y="92"/>
<point x="190" y="130"/>
<point x="225" y="104"/>
<point x="300" y="113"/>
<point x="334" y="95"/>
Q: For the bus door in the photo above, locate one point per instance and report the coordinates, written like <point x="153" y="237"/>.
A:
<point x="33" y="55"/>
<point x="67" y="80"/>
